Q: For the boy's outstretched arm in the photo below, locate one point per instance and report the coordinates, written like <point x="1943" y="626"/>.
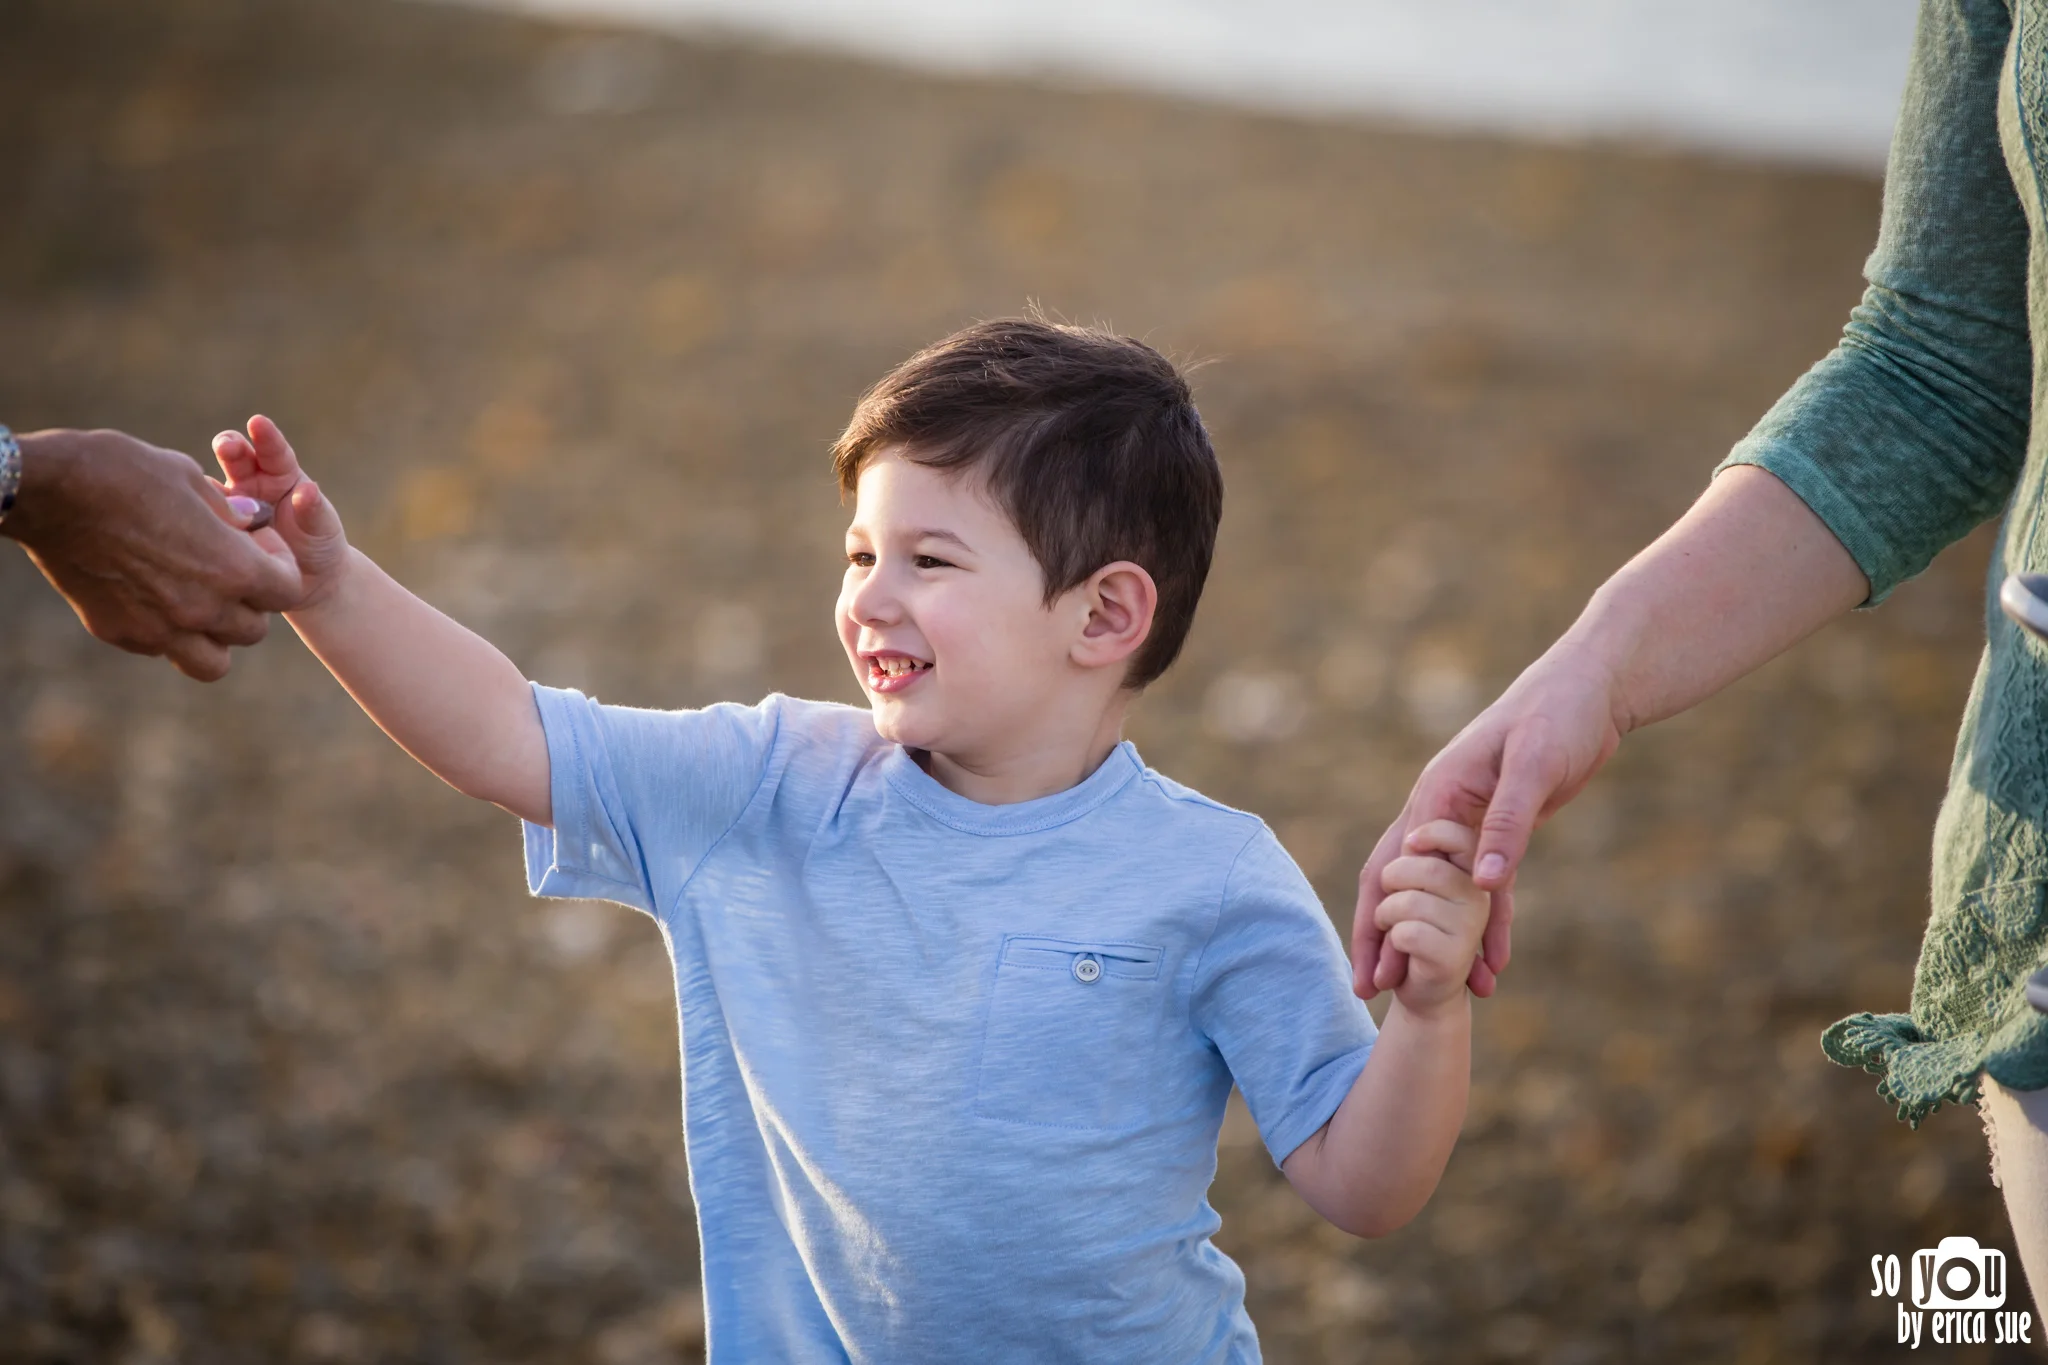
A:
<point x="446" y="694"/>
<point x="1373" y="1166"/>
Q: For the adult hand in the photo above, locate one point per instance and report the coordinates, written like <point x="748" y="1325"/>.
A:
<point x="1505" y="773"/>
<point x="152" y="555"/>
<point x="1747" y="572"/>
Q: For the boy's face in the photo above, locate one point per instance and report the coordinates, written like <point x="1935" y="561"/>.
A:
<point x="943" y="616"/>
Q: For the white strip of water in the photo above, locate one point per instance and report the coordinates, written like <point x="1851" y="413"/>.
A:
<point x="1805" y="80"/>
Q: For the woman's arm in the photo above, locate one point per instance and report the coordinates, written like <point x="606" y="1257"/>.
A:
<point x="1745" y="574"/>
<point x="1912" y="431"/>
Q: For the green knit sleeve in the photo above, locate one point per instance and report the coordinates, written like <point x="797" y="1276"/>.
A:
<point x="1913" y="430"/>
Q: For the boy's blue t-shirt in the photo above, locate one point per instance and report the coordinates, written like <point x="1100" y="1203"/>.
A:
<point x="953" y="1073"/>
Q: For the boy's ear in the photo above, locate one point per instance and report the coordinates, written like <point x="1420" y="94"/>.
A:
<point x="1121" y="599"/>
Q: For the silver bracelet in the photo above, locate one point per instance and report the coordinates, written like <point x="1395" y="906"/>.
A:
<point x="10" y="471"/>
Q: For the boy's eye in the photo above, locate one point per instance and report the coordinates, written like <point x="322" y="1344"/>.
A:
<point x="930" y="562"/>
<point x="863" y="558"/>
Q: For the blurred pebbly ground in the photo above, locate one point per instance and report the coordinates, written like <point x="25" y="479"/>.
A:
<point x="291" y="1070"/>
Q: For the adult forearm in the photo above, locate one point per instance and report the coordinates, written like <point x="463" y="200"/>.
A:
<point x="1377" y="1161"/>
<point x="444" y="693"/>
<point x="1745" y="574"/>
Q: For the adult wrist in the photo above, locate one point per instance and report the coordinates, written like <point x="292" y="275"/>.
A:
<point x="46" y="459"/>
<point x="1600" y="651"/>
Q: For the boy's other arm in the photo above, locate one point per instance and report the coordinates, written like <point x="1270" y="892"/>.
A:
<point x="446" y="694"/>
<point x="1372" y="1167"/>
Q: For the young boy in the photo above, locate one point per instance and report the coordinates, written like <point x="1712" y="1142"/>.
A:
<point x="963" y="985"/>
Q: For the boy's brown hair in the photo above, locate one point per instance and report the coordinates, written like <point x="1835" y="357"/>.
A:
<point x="1088" y="441"/>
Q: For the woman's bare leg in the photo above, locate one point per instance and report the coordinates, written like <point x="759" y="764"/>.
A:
<point x="2016" y="1125"/>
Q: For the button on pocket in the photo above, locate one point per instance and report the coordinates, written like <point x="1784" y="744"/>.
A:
<point x="1074" y="1033"/>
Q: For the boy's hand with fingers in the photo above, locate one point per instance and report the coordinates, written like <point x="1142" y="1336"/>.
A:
<point x="263" y="465"/>
<point x="1374" y="1164"/>
<point x="1433" y="912"/>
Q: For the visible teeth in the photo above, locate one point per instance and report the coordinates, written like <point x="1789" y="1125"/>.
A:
<point x="896" y="667"/>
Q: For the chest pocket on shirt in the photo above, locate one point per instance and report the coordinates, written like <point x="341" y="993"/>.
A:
<point x="1074" y="1034"/>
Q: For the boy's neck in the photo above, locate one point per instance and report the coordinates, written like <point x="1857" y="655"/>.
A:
<point x="1042" y="765"/>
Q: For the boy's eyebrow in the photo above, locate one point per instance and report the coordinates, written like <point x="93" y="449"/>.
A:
<point x="936" y="534"/>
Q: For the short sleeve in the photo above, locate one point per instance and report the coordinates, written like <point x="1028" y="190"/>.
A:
<point x="640" y="796"/>
<point x="1273" y="993"/>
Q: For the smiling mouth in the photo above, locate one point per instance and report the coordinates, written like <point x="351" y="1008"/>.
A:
<point x="894" y="672"/>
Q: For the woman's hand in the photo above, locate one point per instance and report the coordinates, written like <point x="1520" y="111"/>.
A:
<point x="1747" y="572"/>
<point x="1505" y="773"/>
<point x="147" y="550"/>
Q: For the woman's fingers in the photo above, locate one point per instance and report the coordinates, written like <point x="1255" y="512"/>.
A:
<point x="1531" y="771"/>
<point x="1496" y="945"/>
<point x="239" y="624"/>
<point x="1494" y="775"/>
<point x="255" y="575"/>
<point x="271" y="543"/>
<point x="1392" y="968"/>
<point x="240" y="511"/>
<point x="198" y="657"/>
<point x="1365" y="932"/>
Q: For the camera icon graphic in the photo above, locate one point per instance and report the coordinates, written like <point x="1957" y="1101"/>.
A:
<point x="1958" y="1273"/>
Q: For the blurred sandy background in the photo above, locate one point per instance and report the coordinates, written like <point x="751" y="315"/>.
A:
<point x="291" y="1070"/>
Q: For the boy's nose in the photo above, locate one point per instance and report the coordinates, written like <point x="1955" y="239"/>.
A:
<point x="874" y="601"/>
